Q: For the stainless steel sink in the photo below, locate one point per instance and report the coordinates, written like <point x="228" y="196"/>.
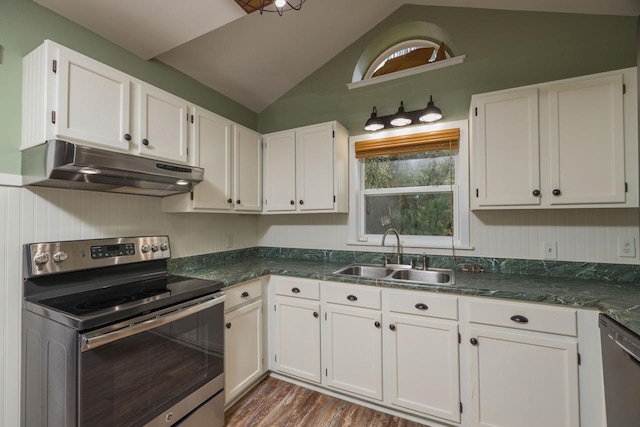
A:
<point x="399" y="272"/>
<point x="440" y="277"/>
<point x="368" y="271"/>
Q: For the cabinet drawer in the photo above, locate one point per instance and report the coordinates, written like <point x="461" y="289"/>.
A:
<point x="299" y="288"/>
<point x="242" y="293"/>
<point x="423" y="304"/>
<point x="356" y="296"/>
<point x="524" y="316"/>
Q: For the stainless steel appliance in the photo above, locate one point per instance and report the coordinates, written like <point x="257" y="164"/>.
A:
<point x="111" y="339"/>
<point x="621" y="368"/>
<point x="65" y="165"/>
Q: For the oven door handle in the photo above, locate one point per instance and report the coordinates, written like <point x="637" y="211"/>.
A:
<point x="90" y="343"/>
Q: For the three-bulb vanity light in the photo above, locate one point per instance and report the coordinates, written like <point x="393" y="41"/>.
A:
<point x="401" y="118"/>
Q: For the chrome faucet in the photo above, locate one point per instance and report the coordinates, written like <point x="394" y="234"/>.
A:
<point x="384" y="236"/>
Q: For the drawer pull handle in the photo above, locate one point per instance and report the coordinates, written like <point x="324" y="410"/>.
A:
<point x="315" y="314"/>
<point x="352" y="298"/>
<point x="244" y="294"/>
<point x="377" y="324"/>
<point x="295" y="290"/>
<point x="228" y="325"/>
<point x="473" y="341"/>
<point x="392" y="327"/>
<point x="519" y="319"/>
<point x="421" y="306"/>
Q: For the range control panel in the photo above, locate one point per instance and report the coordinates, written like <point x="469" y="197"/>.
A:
<point x="75" y="255"/>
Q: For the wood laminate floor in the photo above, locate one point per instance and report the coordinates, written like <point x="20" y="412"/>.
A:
<point x="276" y="403"/>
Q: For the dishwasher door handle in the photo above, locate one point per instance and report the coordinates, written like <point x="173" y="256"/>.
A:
<point x="626" y="350"/>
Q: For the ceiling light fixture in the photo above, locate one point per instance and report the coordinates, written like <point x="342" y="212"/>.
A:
<point x="401" y="118"/>
<point x="374" y="123"/>
<point x="431" y="113"/>
<point x="277" y="6"/>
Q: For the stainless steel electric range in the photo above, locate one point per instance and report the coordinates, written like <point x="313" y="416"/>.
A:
<point x="111" y="339"/>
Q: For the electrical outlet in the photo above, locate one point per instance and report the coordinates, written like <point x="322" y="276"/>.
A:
<point x="229" y="241"/>
<point x="627" y="247"/>
<point x="550" y="250"/>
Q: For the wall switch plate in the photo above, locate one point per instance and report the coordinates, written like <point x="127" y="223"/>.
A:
<point x="550" y="250"/>
<point x="627" y="247"/>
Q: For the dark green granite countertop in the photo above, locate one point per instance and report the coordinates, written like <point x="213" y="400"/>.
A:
<point x="621" y="301"/>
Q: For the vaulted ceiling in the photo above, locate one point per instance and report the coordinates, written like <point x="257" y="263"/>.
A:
<point x="254" y="59"/>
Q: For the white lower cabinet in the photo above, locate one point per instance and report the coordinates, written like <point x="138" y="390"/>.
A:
<point x="520" y="377"/>
<point x="243" y="339"/>
<point x="297" y="327"/>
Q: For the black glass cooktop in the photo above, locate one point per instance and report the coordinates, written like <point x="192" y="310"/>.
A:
<point x="109" y="304"/>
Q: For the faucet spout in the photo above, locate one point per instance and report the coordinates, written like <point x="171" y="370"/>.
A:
<point x="384" y="236"/>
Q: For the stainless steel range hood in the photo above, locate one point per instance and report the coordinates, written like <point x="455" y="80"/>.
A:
<point x="62" y="164"/>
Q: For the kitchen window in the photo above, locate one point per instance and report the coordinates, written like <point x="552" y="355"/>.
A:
<point x="413" y="180"/>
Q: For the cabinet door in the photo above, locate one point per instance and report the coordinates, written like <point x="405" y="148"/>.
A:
<point x="162" y="120"/>
<point x="423" y="365"/>
<point x="523" y="380"/>
<point x="247" y="182"/>
<point x="243" y="348"/>
<point x="586" y="139"/>
<point x="280" y="172"/>
<point x="93" y="102"/>
<point x="211" y="134"/>
<point x="297" y="339"/>
<point x="505" y="155"/>
<point x="354" y="350"/>
<point x="315" y="167"/>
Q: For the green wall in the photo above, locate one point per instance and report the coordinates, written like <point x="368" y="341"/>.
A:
<point x="23" y="27"/>
<point x="503" y="49"/>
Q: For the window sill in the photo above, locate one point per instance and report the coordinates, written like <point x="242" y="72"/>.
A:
<point x="408" y="72"/>
<point x="9" y="180"/>
<point x="405" y="244"/>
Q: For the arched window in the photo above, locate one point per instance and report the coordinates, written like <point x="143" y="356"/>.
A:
<point x="407" y="54"/>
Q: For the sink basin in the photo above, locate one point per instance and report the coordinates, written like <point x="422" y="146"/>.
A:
<point x="368" y="271"/>
<point x="438" y="277"/>
<point x="399" y="272"/>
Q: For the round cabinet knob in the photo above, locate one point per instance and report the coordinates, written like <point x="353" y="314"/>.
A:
<point x="292" y="202"/>
<point x="352" y="298"/>
<point x="421" y="306"/>
<point x="301" y="202"/>
<point x="556" y="192"/>
<point x="473" y="341"/>
<point x="295" y="290"/>
<point x="127" y="137"/>
<point x="59" y="256"/>
<point x="244" y="294"/>
<point x="238" y="202"/>
<point x="519" y="319"/>
<point x="164" y="247"/>
<point x="228" y="325"/>
<point x="41" y="258"/>
<point x="377" y="324"/>
<point x="229" y="201"/>
<point x="392" y="327"/>
<point x="145" y="142"/>
<point x="154" y="248"/>
<point x="315" y="314"/>
<point x="536" y="193"/>
<point x="145" y="248"/>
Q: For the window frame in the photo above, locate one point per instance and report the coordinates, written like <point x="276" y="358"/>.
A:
<point x="417" y="43"/>
<point x="356" y="221"/>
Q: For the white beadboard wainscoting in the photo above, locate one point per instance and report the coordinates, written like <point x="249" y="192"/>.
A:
<point x="39" y="215"/>
<point x="589" y="235"/>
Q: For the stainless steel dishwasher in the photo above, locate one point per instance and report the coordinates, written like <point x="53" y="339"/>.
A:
<point x="621" y="367"/>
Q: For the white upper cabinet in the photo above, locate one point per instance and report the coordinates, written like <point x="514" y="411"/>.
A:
<point x="162" y="124"/>
<point x="306" y="170"/>
<point x="247" y="175"/>
<point x="72" y="97"/>
<point x="566" y="144"/>
<point x="586" y="141"/>
<point x="232" y="160"/>
<point x="69" y="96"/>
<point x="506" y="144"/>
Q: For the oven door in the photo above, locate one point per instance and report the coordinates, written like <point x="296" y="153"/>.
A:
<point x="129" y="376"/>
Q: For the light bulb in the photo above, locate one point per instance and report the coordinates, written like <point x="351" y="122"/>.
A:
<point x="280" y="3"/>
